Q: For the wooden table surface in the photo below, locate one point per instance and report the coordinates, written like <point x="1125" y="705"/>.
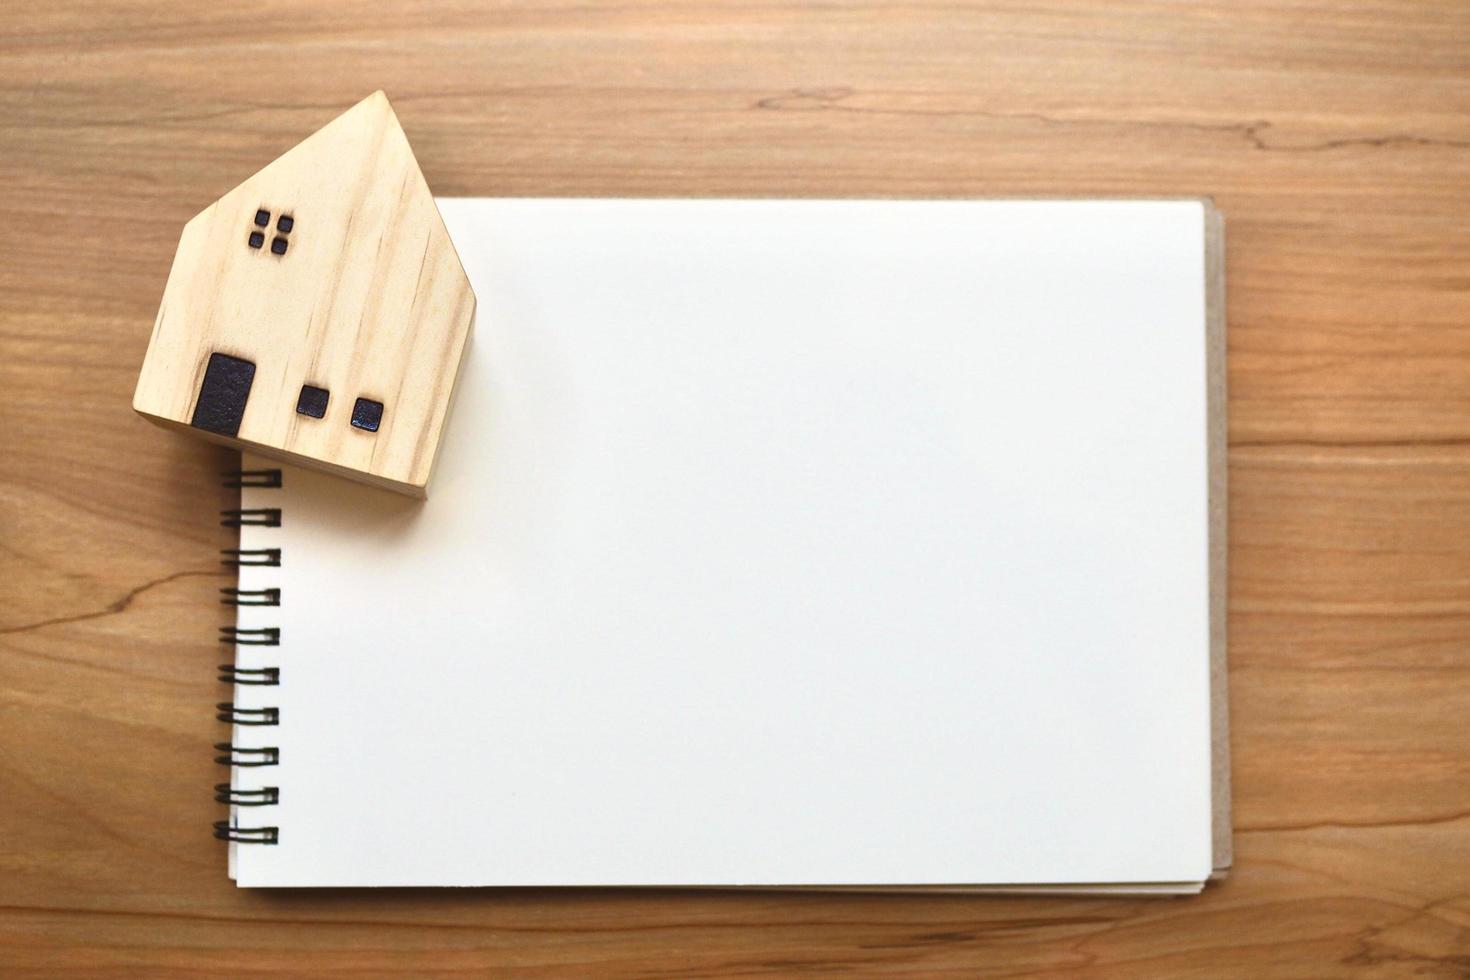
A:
<point x="1335" y="136"/>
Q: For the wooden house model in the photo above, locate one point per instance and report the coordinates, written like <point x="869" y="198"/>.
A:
<point x="318" y="313"/>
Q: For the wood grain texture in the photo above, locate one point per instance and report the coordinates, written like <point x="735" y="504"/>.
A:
<point x="1335" y="137"/>
<point x="361" y="295"/>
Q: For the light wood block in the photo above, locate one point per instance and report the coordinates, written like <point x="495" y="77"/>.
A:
<point x="318" y="312"/>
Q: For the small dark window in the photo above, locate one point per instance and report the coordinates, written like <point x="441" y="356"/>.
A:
<point x="256" y="239"/>
<point x="278" y="245"/>
<point x="285" y="223"/>
<point x="262" y="217"/>
<point x="312" y="401"/>
<point x="367" y="414"/>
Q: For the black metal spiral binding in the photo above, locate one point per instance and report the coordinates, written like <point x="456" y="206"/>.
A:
<point x="250" y="676"/>
<point x="266" y="796"/>
<point x="266" y="636"/>
<point x="250" y="597"/>
<point x="227" y="711"/>
<point x="244" y="756"/>
<point x="251" y="516"/>
<point x="223" y="830"/>
<point x="252" y="478"/>
<point x="247" y="756"/>
<point x="251" y="556"/>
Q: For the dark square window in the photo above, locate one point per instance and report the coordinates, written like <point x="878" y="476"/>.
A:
<point x="285" y="223"/>
<point x="367" y="414"/>
<point x="312" y="401"/>
<point x="262" y="217"/>
<point x="256" y="239"/>
<point x="278" y="245"/>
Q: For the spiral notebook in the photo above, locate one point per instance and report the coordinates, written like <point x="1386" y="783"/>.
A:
<point x="839" y="544"/>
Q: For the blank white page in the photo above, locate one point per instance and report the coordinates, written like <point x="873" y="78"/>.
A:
<point x="772" y="542"/>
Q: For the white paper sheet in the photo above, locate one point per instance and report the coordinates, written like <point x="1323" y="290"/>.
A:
<point x="779" y="542"/>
